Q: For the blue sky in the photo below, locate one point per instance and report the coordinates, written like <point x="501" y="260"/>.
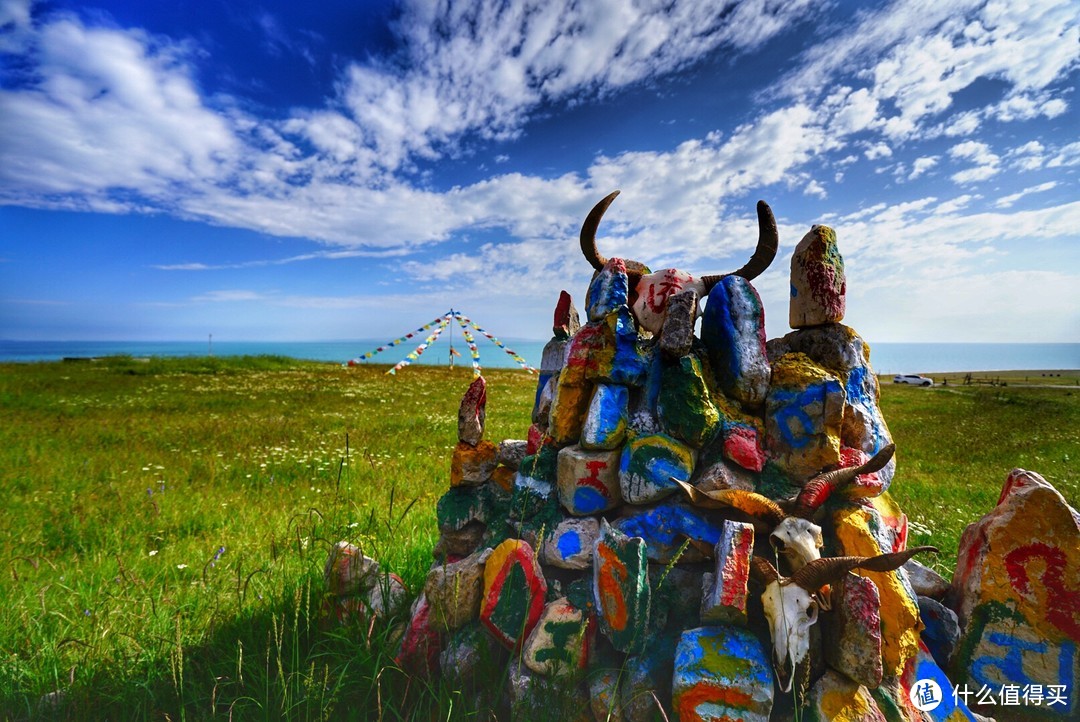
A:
<point x="309" y="171"/>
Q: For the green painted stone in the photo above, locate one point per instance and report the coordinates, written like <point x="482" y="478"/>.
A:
<point x="462" y="505"/>
<point x="543" y="465"/>
<point x="621" y="588"/>
<point x="513" y="594"/>
<point x="685" y="409"/>
<point x="648" y="463"/>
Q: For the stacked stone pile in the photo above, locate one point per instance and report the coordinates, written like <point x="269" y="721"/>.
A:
<point x="604" y="567"/>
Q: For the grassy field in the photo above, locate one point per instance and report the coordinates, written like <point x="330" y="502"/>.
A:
<point x="167" y="521"/>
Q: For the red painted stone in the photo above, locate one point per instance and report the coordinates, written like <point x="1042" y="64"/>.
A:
<point x="742" y="444"/>
<point x="471" y="413"/>
<point x="421" y="644"/>
<point x="514" y="592"/>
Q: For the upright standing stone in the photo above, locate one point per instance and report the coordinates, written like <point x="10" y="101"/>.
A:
<point x="421" y="643"/>
<point x="627" y="365"/>
<point x="608" y="290"/>
<point x="606" y="418"/>
<point x="471" y="413"/>
<point x="588" y="480"/>
<point x="941" y="631"/>
<point x="803" y="413"/>
<point x="818" y="284"/>
<point x="725" y="599"/>
<point x="514" y="590"/>
<point x="852" y="633"/>
<point x="566" y="323"/>
<point x="621" y="588"/>
<point x="721" y="673"/>
<point x="733" y="330"/>
<point x="677" y="335"/>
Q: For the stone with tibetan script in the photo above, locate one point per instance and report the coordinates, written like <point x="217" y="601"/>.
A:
<point x="606" y="419"/>
<point x="803" y="413"/>
<point x="566" y="322"/>
<point x="628" y="365"/>
<point x="471" y="413"/>
<point x="461" y="505"/>
<point x="863" y="531"/>
<point x="421" y="643"/>
<point x="648" y="463"/>
<point x="608" y="290"/>
<point x="733" y="330"/>
<point x="1016" y="591"/>
<point x="818" y="283"/>
<point x="514" y="590"/>
<point x="588" y="481"/>
<point x="559" y="643"/>
<point x="836" y="698"/>
<point x="589" y="354"/>
<point x="684" y="406"/>
<point x="568" y="409"/>
<point x="677" y="334"/>
<point x="721" y="673"/>
<point x="852" y="633"/>
<point x="472" y="465"/>
<point x="941" y="632"/>
<point x="654" y="290"/>
<point x="459" y="543"/>
<point x="570" y="544"/>
<point x="725" y="600"/>
<point x="511" y="452"/>
<point x="925" y="581"/>
<point x="667" y="525"/>
<point x="453" y="590"/>
<point x="348" y="572"/>
<point x="621" y="589"/>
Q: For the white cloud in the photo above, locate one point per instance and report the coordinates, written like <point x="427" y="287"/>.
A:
<point x="920" y="165"/>
<point x="1029" y="156"/>
<point x="1065" y="156"/>
<point x="878" y="150"/>
<point x="1006" y="201"/>
<point x="228" y="296"/>
<point x="987" y="163"/>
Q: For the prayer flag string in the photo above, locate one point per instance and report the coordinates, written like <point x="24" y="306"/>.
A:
<point x="443" y="323"/>
<point x="403" y="339"/>
<point x="470" y="341"/>
<point x="521" y="361"/>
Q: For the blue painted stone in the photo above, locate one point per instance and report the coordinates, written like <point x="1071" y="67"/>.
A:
<point x="950" y="709"/>
<point x="942" y="630"/>
<point x="721" y="673"/>
<point x="628" y="365"/>
<point x="605" y="421"/>
<point x="733" y="330"/>
<point x="570" y="544"/>
<point x="803" y="413"/>
<point x="648" y="464"/>
<point x="608" y="290"/>
<point x="667" y="525"/>
<point x="541" y="410"/>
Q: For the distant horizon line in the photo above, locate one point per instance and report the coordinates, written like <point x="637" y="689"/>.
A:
<point x="508" y="338"/>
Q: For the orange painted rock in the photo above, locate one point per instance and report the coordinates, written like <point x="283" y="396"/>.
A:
<point x="568" y="409"/>
<point x="514" y="590"/>
<point x="1017" y="595"/>
<point x="836" y="698"/>
<point x="503" y="477"/>
<point x="472" y="464"/>
<point x="721" y="673"/>
<point x="621" y="589"/>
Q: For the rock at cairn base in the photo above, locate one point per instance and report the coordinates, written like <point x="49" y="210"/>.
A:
<point x="852" y="633"/>
<point x="514" y="589"/>
<point x="818" y="284"/>
<point x="621" y="588"/>
<point x="721" y="673"/>
<point x="559" y="643"/>
<point x="836" y="698"/>
<point x="454" y="590"/>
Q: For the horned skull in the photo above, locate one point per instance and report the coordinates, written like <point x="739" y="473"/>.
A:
<point x="792" y="603"/>
<point x="649" y="291"/>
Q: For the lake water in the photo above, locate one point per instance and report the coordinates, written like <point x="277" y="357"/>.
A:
<point x="887" y="358"/>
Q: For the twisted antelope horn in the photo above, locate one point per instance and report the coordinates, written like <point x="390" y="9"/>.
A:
<point x="820" y="572"/>
<point x="762" y="571"/>
<point x="748" y="502"/>
<point x="768" y="242"/>
<point x="818" y="490"/>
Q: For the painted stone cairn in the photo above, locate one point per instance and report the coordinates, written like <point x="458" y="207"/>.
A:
<point x="684" y="508"/>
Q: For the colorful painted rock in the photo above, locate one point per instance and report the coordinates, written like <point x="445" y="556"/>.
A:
<point x="725" y="599"/>
<point x="621" y="588"/>
<point x="743" y="445"/>
<point x="862" y="531"/>
<point x="627" y="364"/>
<point x="604" y="694"/>
<point x="565" y="323"/>
<point x="568" y="408"/>
<point x="530" y="497"/>
<point x="803" y="413"/>
<point x="471" y="413"/>
<point x="606" y="418"/>
<point x="667" y="525"/>
<point x="570" y="544"/>
<point x="835" y="698"/>
<point x="536" y="437"/>
<point x="942" y="632"/>
<point x="677" y="334"/>
<point x="348" y="572"/>
<point x="608" y="290"/>
<point x="589" y="354"/>
<point x="559" y="643"/>
<point x="543" y="465"/>
<point x="588" y="481"/>
<point x="852" y="633"/>
<point x="721" y="673"/>
<point x="514" y="589"/>
<point x="421" y="643"/>
<point x="472" y="465"/>
<point x="684" y="406"/>
<point x="453" y="590"/>
<point x="1017" y="587"/>
<point x="647" y="465"/>
<point x="939" y="703"/>
<point x="733" y="330"/>
<point x="818" y="283"/>
<point x="461" y="505"/>
<point x="653" y="291"/>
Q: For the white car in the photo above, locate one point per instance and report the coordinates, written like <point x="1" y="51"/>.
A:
<point x="912" y="379"/>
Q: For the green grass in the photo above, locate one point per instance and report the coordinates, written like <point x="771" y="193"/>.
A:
<point x="122" y="479"/>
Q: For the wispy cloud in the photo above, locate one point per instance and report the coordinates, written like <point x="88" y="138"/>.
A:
<point x="323" y="255"/>
<point x="1006" y="201"/>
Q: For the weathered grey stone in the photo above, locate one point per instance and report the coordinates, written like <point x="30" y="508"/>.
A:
<point x="511" y="452"/>
<point x="925" y="581"/>
<point x="348" y="572"/>
<point x="454" y="590"/>
<point x="471" y="413"/>
<point x="941" y="633"/>
<point x="454" y="544"/>
<point x="677" y="334"/>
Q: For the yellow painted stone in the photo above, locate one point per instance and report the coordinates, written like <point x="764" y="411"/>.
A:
<point x="838" y="699"/>
<point x="900" y="623"/>
<point x="503" y="477"/>
<point x="568" y="410"/>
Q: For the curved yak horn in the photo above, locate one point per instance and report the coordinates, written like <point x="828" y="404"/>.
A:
<point x="762" y="570"/>
<point x="768" y="242"/>
<point x="756" y="505"/>
<point x="588" y="232"/>
<point x="820" y="572"/>
<point x="818" y="490"/>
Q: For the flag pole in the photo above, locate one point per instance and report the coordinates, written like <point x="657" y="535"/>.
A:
<point x="451" y="341"/>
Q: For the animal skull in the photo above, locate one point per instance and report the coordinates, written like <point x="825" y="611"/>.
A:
<point x="653" y="291"/>
<point x="792" y="603"/>
<point x="799" y="540"/>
